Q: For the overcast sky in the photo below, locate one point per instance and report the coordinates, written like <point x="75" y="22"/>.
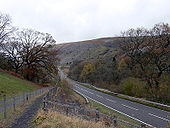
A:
<point x="75" y="20"/>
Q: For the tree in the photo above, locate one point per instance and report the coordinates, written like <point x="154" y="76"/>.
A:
<point x="5" y="27"/>
<point x="12" y="50"/>
<point x="148" y="52"/>
<point x="33" y="54"/>
<point x="36" y="53"/>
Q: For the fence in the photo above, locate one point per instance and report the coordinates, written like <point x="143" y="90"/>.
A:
<point x="85" y="113"/>
<point x="12" y="103"/>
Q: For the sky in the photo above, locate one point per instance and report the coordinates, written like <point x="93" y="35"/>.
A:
<point x="76" y="20"/>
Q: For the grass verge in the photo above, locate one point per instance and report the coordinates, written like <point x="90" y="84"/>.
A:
<point x="13" y="86"/>
<point x="110" y="112"/>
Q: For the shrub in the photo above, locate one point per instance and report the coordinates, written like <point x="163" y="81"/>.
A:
<point x="65" y="88"/>
<point x="133" y="87"/>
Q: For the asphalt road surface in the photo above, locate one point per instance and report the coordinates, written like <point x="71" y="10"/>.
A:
<point x="145" y="114"/>
<point x="149" y="115"/>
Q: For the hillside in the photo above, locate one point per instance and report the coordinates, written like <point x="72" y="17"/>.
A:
<point x="11" y="85"/>
<point x="88" y="50"/>
<point x="137" y="70"/>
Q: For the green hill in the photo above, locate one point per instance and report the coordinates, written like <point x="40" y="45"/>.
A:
<point x="12" y="86"/>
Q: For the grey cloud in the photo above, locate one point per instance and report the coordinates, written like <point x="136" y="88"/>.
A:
<point x="74" y="20"/>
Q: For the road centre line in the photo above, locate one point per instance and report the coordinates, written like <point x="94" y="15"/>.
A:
<point x="111" y="100"/>
<point x="130" y="107"/>
<point x="158" y="117"/>
<point x="99" y="96"/>
<point x="91" y="93"/>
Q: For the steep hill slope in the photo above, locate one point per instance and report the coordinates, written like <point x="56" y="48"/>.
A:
<point x="88" y="50"/>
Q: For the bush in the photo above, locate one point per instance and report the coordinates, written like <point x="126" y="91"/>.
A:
<point x="65" y="88"/>
<point x="133" y="87"/>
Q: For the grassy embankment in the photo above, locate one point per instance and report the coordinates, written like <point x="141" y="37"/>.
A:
<point x="13" y="86"/>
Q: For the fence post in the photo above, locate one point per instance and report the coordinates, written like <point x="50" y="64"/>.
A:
<point x="44" y="103"/>
<point x="66" y="111"/>
<point x="97" y="114"/>
<point x="143" y="125"/>
<point x="27" y="96"/>
<point x="5" y="114"/>
<point x="14" y="102"/>
<point x="115" y="121"/>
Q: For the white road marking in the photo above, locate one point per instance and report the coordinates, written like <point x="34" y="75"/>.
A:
<point x="130" y="107"/>
<point x="84" y="90"/>
<point x="111" y="100"/>
<point x="99" y="96"/>
<point x="158" y="117"/>
<point x="91" y="93"/>
<point x="78" y="87"/>
<point x="118" y="111"/>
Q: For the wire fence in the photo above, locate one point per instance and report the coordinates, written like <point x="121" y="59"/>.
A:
<point x="12" y="103"/>
<point x="82" y="112"/>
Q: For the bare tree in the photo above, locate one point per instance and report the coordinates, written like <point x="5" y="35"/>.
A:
<point x="148" y="52"/>
<point x="12" y="50"/>
<point x="5" y="27"/>
<point x="36" y="52"/>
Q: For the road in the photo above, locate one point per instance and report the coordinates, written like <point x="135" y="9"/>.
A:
<point x="145" y="114"/>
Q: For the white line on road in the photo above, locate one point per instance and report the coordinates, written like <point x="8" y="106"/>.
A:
<point x="84" y="90"/>
<point x="99" y="96"/>
<point x="91" y="93"/>
<point x="119" y="111"/>
<point x="78" y="87"/>
<point x="158" y="117"/>
<point x="111" y="100"/>
<point x="130" y="107"/>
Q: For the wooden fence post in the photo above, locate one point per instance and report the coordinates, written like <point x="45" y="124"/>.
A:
<point x="14" y="102"/>
<point x="66" y="111"/>
<point x="44" y="103"/>
<point x="27" y="97"/>
<point x="115" y="121"/>
<point x="97" y="114"/>
<point x="143" y="125"/>
<point x="5" y="114"/>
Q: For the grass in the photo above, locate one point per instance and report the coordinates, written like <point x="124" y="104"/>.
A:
<point x="12" y="86"/>
<point x="110" y="112"/>
<point x="126" y="98"/>
<point x="56" y="120"/>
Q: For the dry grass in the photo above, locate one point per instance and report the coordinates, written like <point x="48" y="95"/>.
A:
<point x="56" y="120"/>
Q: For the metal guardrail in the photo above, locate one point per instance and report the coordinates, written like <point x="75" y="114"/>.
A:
<point x="85" y="113"/>
<point x="12" y="103"/>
